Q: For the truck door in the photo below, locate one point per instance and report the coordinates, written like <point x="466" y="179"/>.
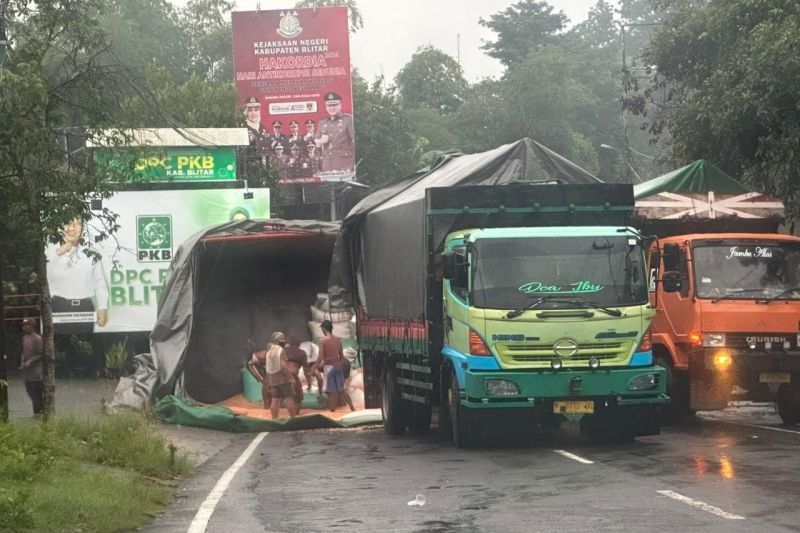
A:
<point x="676" y="309"/>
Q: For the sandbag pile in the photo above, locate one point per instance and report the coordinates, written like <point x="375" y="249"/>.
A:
<point x="343" y="321"/>
<point x="344" y="327"/>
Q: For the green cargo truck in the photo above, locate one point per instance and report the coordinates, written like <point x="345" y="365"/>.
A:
<point x="528" y="299"/>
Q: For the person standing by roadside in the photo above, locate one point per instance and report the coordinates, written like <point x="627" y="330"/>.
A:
<point x="279" y="378"/>
<point x="32" y="365"/>
<point x="297" y="359"/>
<point x="331" y="358"/>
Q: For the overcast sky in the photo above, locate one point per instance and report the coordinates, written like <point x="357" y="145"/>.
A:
<point x="394" y="29"/>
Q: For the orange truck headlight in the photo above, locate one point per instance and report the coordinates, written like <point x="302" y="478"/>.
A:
<point x="722" y="360"/>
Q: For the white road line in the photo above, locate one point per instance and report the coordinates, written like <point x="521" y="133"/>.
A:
<point x="574" y="457"/>
<point x="769" y="428"/>
<point x="700" y="505"/>
<point x="206" y="509"/>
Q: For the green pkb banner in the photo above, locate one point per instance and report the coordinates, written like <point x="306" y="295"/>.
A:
<point x="171" y="164"/>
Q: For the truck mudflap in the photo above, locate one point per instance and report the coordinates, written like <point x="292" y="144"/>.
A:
<point x="575" y="391"/>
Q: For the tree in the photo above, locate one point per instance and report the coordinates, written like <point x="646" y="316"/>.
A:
<point x="356" y="21"/>
<point x="546" y="99"/>
<point x="727" y="76"/>
<point x="526" y="25"/>
<point x="432" y="79"/>
<point x="384" y="145"/>
<point x="58" y="81"/>
<point x="481" y="122"/>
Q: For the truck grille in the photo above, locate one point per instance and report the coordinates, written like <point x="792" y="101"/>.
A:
<point x="531" y="354"/>
<point x="764" y="342"/>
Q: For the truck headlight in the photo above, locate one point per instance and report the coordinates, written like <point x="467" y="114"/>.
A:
<point x="713" y="340"/>
<point x="500" y="387"/>
<point x="643" y="382"/>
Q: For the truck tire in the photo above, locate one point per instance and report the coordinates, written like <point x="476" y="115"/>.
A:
<point x="462" y="420"/>
<point x="789" y="404"/>
<point x="445" y="424"/>
<point x="677" y="390"/>
<point x="392" y="406"/>
<point x="419" y="417"/>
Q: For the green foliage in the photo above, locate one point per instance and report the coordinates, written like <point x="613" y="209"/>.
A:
<point x="15" y="510"/>
<point x="526" y="25"/>
<point x="545" y="97"/>
<point x="356" y="21"/>
<point x="384" y="145"/>
<point x="431" y="79"/>
<point x="88" y="474"/>
<point x="582" y="153"/>
<point x="117" y="355"/>
<point x="727" y="89"/>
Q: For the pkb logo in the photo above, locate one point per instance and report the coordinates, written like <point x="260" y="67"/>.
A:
<point x="153" y="238"/>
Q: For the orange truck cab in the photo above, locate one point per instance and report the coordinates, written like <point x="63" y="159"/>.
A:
<point x="726" y="287"/>
<point x="728" y="315"/>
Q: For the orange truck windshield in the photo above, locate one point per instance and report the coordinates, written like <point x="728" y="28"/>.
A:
<point x="747" y="271"/>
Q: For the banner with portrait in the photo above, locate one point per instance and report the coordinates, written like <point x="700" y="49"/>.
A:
<point x="113" y="285"/>
<point x="292" y="74"/>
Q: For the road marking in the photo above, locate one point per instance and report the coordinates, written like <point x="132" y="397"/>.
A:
<point x="574" y="457"/>
<point x="206" y="509"/>
<point x="769" y="428"/>
<point x="700" y="505"/>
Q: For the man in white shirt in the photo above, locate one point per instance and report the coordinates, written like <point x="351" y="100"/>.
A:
<point x="78" y="284"/>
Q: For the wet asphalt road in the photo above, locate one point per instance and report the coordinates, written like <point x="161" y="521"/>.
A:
<point x="700" y="475"/>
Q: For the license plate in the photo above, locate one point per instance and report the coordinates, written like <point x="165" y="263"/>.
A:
<point x="571" y="408"/>
<point x="774" y="377"/>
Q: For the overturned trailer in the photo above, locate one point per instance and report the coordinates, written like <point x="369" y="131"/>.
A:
<point x="227" y="289"/>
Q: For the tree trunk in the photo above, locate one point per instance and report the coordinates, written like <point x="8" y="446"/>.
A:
<point x="47" y="335"/>
<point x="3" y="373"/>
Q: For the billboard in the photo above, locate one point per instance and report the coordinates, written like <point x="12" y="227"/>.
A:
<point x="179" y="164"/>
<point x="120" y="291"/>
<point x="292" y="73"/>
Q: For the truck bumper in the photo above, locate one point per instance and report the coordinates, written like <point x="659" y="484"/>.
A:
<point x="536" y="388"/>
<point x="758" y="372"/>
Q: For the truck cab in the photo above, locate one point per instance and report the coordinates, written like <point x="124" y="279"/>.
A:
<point x="552" y="319"/>
<point x="728" y="315"/>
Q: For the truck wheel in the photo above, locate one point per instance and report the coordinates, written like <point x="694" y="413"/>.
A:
<point x="392" y="407"/>
<point x="445" y="424"/>
<point x="677" y="389"/>
<point x="419" y="417"/>
<point x="461" y="419"/>
<point x="789" y="404"/>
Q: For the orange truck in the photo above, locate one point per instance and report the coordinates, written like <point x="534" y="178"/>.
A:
<point x="726" y="288"/>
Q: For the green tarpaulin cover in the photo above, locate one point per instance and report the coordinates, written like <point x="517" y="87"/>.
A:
<point x="174" y="410"/>
<point x="700" y="176"/>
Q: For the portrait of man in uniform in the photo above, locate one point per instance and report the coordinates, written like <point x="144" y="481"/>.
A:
<point x="276" y="137"/>
<point x="336" y="137"/>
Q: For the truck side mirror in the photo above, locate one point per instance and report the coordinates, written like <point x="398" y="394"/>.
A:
<point x="454" y="267"/>
<point x="672" y="257"/>
<point x="671" y="281"/>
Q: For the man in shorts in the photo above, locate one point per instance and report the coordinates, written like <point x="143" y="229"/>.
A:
<point x="279" y="378"/>
<point x="297" y="358"/>
<point x="331" y="359"/>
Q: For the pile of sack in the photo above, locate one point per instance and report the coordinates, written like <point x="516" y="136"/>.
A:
<point x="343" y="322"/>
<point x="344" y="327"/>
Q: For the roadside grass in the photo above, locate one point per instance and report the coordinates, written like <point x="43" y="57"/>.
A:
<point x="98" y="474"/>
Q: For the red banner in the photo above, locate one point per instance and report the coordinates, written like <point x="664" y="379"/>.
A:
<point x="292" y="72"/>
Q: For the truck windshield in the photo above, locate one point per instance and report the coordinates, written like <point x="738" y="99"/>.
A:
<point x="747" y="271"/>
<point x="605" y="271"/>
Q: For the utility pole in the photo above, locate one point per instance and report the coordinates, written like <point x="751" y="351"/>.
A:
<point x="458" y="49"/>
